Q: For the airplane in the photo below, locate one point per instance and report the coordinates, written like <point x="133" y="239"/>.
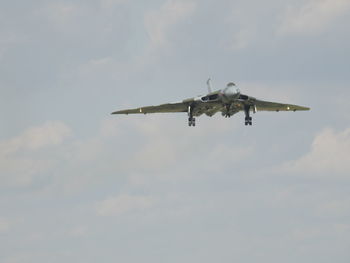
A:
<point x="228" y="101"/>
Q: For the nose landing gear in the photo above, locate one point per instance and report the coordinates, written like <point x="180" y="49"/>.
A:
<point x="227" y="113"/>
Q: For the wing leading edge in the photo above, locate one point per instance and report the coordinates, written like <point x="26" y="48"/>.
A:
<point x="274" y="106"/>
<point x="164" y="108"/>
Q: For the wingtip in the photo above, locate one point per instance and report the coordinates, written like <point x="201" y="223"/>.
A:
<point x="302" y="108"/>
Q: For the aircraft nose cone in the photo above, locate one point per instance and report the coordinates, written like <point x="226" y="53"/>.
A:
<point x="230" y="91"/>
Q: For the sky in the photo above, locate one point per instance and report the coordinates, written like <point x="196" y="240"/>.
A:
<point x="80" y="185"/>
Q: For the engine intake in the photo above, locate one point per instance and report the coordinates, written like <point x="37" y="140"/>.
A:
<point x="210" y="98"/>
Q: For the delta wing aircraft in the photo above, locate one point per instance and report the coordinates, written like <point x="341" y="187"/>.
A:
<point x="228" y="101"/>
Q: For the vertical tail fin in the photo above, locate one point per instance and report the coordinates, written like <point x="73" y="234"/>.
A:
<point x="209" y="85"/>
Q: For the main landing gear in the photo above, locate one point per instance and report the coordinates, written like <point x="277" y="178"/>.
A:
<point x="191" y="120"/>
<point x="248" y="119"/>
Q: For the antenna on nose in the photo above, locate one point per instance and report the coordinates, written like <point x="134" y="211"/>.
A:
<point x="209" y="85"/>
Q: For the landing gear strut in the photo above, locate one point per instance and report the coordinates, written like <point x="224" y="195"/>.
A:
<point x="248" y="119"/>
<point x="191" y="120"/>
<point x="227" y="113"/>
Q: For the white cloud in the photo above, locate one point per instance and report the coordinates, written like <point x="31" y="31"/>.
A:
<point x="334" y="208"/>
<point x="314" y="16"/>
<point x="9" y="39"/>
<point x="82" y="18"/>
<point x="240" y="28"/>
<point x="241" y="39"/>
<point x="49" y="134"/>
<point x="61" y="14"/>
<point x="21" y="171"/>
<point x="91" y="72"/>
<point x="330" y="154"/>
<point x="342" y="228"/>
<point x="37" y="152"/>
<point x="301" y="234"/>
<point x="78" y="231"/>
<point x="159" y="153"/>
<point x="18" y="165"/>
<point x="122" y="204"/>
<point x="110" y="128"/>
<point x="111" y="3"/>
<point x="320" y="232"/>
<point x="159" y="22"/>
<point x="94" y="65"/>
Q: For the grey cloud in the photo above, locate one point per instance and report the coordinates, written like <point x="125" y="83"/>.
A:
<point x="216" y="192"/>
<point x="159" y="22"/>
<point x="4" y="225"/>
<point x="123" y="204"/>
<point x="18" y="164"/>
<point x="313" y="17"/>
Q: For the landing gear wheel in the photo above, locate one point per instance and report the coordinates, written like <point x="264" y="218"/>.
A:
<point x="248" y="121"/>
<point x="191" y="122"/>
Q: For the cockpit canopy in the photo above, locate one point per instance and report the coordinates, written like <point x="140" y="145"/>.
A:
<point x="230" y="89"/>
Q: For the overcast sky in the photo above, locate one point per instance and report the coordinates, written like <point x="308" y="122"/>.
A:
<point x="80" y="185"/>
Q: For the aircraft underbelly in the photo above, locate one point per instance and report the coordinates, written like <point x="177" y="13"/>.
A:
<point x="208" y="109"/>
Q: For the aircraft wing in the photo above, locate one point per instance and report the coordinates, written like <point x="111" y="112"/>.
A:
<point x="274" y="106"/>
<point x="168" y="107"/>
